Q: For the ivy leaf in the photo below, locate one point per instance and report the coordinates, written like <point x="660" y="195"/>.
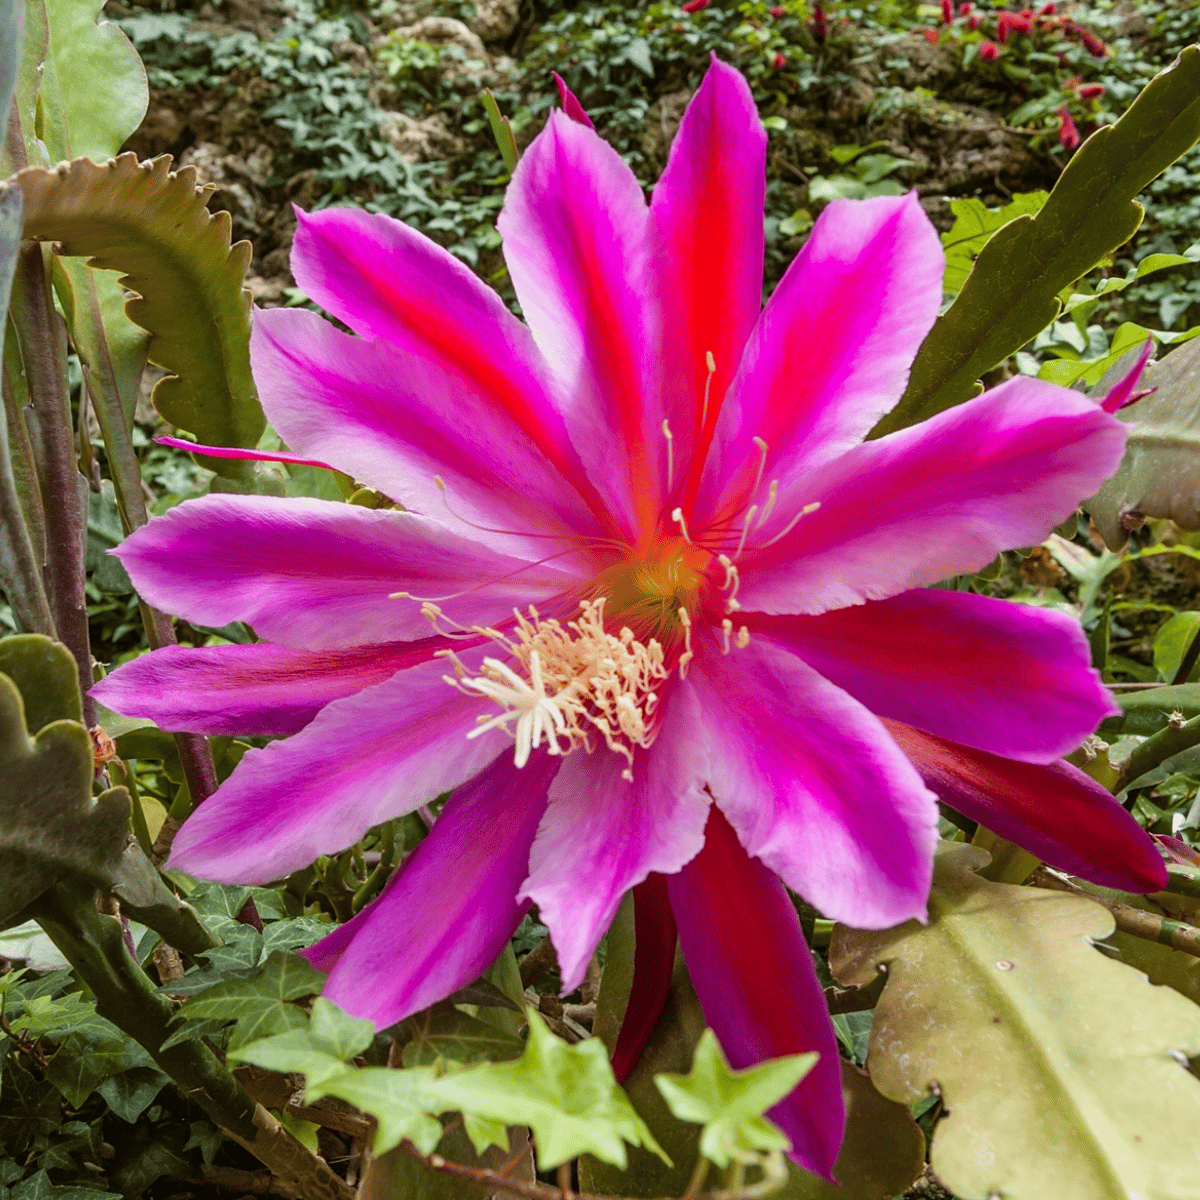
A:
<point x="90" y="1055"/>
<point x="293" y="1051"/>
<point x="260" y="1005"/>
<point x="730" y="1104"/>
<point x="443" y="1033"/>
<point x="154" y="227"/>
<point x="337" y="1032"/>
<point x="49" y="823"/>
<point x="1012" y="292"/>
<point x="1063" y="1073"/>
<point x="566" y="1094"/>
<point x="131" y="1092"/>
<point x="400" y="1101"/>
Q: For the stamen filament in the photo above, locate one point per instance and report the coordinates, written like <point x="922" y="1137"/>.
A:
<point x="670" y="455"/>
<point x="808" y="508"/>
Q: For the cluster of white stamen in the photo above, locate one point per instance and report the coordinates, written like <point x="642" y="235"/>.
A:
<point x="583" y="683"/>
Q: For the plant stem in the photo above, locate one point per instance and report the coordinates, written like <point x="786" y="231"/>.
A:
<point x="43" y="352"/>
<point x="93" y="945"/>
<point x="1137" y="922"/>
<point x="1154" y="751"/>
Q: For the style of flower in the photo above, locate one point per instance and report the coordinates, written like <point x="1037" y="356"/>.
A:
<point x="643" y="538"/>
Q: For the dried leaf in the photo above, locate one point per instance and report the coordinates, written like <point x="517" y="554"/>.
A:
<point x="1059" y="1068"/>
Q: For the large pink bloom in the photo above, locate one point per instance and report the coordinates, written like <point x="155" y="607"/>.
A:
<point x="650" y="439"/>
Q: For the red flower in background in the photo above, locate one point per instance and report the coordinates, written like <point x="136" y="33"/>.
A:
<point x="947" y="12"/>
<point x="819" y="23"/>
<point x="989" y="51"/>
<point x="1092" y="91"/>
<point x="974" y="21"/>
<point x="695" y="5"/>
<point x="779" y="61"/>
<point x="777" y="12"/>
<point x="1068" y="133"/>
<point x="931" y="36"/>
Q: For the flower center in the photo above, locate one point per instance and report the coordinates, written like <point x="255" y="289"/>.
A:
<point x="571" y="685"/>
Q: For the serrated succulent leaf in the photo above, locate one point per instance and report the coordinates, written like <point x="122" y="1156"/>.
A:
<point x="46" y="676"/>
<point x="152" y="226"/>
<point x="1012" y="291"/>
<point x="1059" y="1068"/>
<point x="730" y="1104"/>
<point x="49" y="823"/>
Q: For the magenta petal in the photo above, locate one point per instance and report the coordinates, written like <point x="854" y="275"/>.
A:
<point x="941" y="498"/>
<point x="279" y="456"/>
<point x="815" y="786"/>
<point x="445" y="916"/>
<point x="570" y="104"/>
<point x="601" y="834"/>
<point x="832" y="350"/>
<point x="754" y="975"/>
<point x="366" y="758"/>
<point x="402" y="417"/>
<point x="1002" y="677"/>
<point x="258" y="689"/>
<point x="316" y="574"/>
<point x="1123" y="394"/>
<point x="1055" y="811"/>
<point x="574" y="229"/>
<point x="706" y="246"/>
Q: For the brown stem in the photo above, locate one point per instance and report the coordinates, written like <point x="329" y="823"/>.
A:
<point x="1134" y="921"/>
<point x="537" y="962"/>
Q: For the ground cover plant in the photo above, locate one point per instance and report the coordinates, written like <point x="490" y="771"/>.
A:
<point x="660" y="659"/>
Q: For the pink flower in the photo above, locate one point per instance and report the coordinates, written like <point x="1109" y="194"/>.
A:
<point x="1068" y="134"/>
<point x="819" y="23"/>
<point x="719" y="588"/>
<point x="974" y="21"/>
<point x="777" y="12"/>
<point x="695" y="5"/>
<point x="779" y="61"/>
<point x="1092" y="91"/>
<point x="965" y="7"/>
<point x="947" y="12"/>
<point x="931" y="36"/>
<point x="989" y="51"/>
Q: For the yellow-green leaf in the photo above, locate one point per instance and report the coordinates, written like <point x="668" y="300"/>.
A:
<point x="152" y="225"/>
<point x="1062" y="1071"/>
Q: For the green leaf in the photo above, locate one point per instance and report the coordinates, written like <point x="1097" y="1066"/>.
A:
<point x="46" y="677"/>
<point x="93" y="92"/>
<point x="443" y="1033"/>
<point x="49" y="823"/>
<point x="1059" y="1068"/>
<point x="153" y="227"/>
<point x="399" y="1100"/>
<point x="1012" y="293"/>
<point x="1172" y="640"/>
<point x="337" y="1032"/>
<point x="638" y="53"/>
<point x="260" y="1005"/>
<point x="1160" y="473"/>
<point x="730" y="1104"/>
<point x="131" y="1092"/>
<point x="91" y="1054"/>
<point x="566" y="1094"/>
<point x="974" y="225"/>
<point x="1147" y="711"/>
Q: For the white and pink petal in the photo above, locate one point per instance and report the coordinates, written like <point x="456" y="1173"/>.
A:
<point x="815" y="786"/>
<point x="320" y="575"/>
<point x="366" y="758"/>
<point x="1002" y="677"/>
